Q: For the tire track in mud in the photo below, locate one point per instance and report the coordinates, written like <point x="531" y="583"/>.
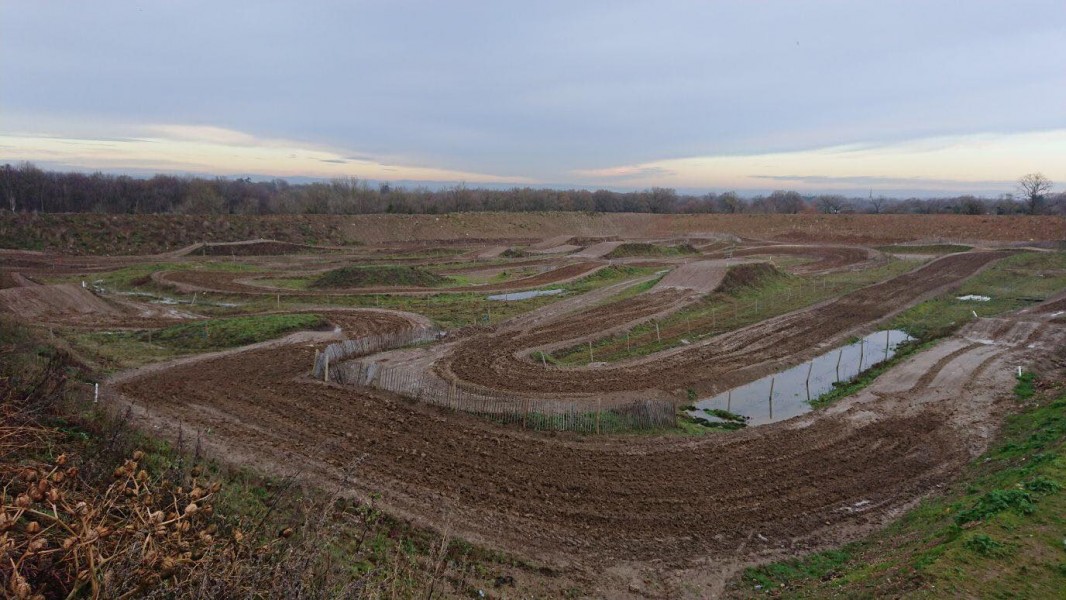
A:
<point x="592" y="502"/>
<point x="492" y="360"/>
<point x="624" y="498"/>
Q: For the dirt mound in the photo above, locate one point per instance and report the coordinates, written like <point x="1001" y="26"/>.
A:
<point x="50" y="302"/>
<point x="747" y="276"/>
<point x="561" y="249"/>
<point x="252" y="248"/>
<point x="598" y="250"/>
<point x="378" y="276"/>
<point x="629" y="249"/>
<point x="492" y="252"/>
<point x="825" y="258"/>
<point x="7" y="280"/>
<point x="702" y="276"/>
<point x="552" y="242"/>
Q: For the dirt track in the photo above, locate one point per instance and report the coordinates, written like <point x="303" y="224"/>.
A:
<point x="238" y="283"/>
<point x="596" y="503"/>
<point x="493" y="359"/>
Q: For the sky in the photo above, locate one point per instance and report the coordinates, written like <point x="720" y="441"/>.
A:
<point x="903" y="97"/>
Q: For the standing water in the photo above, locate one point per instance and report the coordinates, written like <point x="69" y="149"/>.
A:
<point x="788" y="394"/>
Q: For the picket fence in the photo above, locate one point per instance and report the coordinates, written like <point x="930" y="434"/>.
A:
<point x="542" y="414"/>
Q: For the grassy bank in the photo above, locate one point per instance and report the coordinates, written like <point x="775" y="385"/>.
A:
<point x="997" y="533"/>
<point x="1015" y="282"/>
<point x="743" y="303"/>
<point x="126" y="348"/>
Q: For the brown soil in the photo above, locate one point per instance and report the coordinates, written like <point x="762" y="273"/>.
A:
<point x="660" y="507"/>
<point x="825" y="258"/>
<point x="143" y="234"/>
<point x="492" y="360"/>
<point x="229" y="283"/>
<point x="703" y="276"/>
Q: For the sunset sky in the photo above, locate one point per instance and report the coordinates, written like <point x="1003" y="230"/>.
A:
<point x="891" y="97"/>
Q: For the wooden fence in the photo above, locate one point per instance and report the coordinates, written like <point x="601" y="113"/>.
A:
<point x="334" y="353"/>
<point x="585" y="416"/>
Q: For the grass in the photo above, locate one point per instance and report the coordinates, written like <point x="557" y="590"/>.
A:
<point x="120" y="349"/>
<point x="844" y="389"/>
<point x="924" y="249"/>
<point x="248" y="535"/>
<point x="451" y="310"/>
<point x="644" y="249"/>
<point x="378" y="275"/>
<point x="997" y="533"/>
<point x="746" y="302"/>
<point x="1012" y="283"/>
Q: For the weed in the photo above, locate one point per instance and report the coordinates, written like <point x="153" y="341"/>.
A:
<point x="1026" y="387"/>
<point x="985" y="546"/>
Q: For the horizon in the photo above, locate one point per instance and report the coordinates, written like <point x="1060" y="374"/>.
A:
<point x="922" y="99"/>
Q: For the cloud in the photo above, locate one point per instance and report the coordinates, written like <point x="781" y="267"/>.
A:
<point x="205" y="149"/>
<point x="969" y="163"/>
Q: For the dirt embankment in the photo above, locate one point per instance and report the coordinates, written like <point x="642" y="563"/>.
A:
<point x="144" y="234"/>
<point x="239" y="283"/>
<point x="491" y="360"/>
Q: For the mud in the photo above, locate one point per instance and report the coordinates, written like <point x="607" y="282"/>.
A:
<point x="588" y="504"/>
<point x="492" y="360"/>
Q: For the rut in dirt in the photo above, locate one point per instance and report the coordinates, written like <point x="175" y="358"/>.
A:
<point x="493" y="360"/>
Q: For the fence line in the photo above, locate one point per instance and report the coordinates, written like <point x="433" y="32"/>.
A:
<point x="587" y="416"/>
<point x="370" y="344"/>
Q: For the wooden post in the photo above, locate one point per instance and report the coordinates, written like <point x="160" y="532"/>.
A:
<point x="590" y="351"/>
<point x="315" y="362"/>
<point x="862" y="348"/>
<point x="543" y="360"/>
<point x="772" y="379"/>
<point x="627" y="341"/>
<point x="657" y="335"/>
<point x="325" y="373"/>
<point x="886" y="344"/>
<point x="809" y="369"/>
<point x="729" y="400"/>
<point x="839" y="356"/>
<point x="279" y="301"/>
<point x="194" y="298"/>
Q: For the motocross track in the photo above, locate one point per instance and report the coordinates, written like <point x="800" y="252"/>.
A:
<point x="825" y="258"/>
<point x="493" y="360"/>
<point x="618" y="511"/>
<point x="239" y="283"/>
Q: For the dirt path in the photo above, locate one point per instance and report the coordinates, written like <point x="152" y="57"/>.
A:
<point x="618" y="512"/>
<point x="225" y="282"/>
<point x="493" y="360"/>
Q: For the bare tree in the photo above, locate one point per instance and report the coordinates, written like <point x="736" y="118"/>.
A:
<point x="1033" y="187"/>
<point x="878" y="204"/>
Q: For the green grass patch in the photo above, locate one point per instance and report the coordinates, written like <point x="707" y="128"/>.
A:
<point x="751" y="295"/>
<point x="644" y="249"/>
<point x="378" y="275"/>
<point x="1026" y="386"/>
<point x="115" y="350"/>
<point x="996" y="533"/>
<point x="843" y="389"/>
<point x="1012" y="283"/>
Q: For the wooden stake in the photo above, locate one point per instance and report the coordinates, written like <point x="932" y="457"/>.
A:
<point x="886" y="344"/>
<point x="809" y="369"/>
<point x="839" y="356"/>
<point x="590" y="351"/>
<point x="657" y="335"/>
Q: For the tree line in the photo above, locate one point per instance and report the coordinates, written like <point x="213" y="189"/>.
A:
<point x="26" y="188"/>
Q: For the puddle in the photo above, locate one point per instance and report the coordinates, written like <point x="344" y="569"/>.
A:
<point x="790" y="393"/>
<point x="974" y="298"/>
<point x="524" y="295"/>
